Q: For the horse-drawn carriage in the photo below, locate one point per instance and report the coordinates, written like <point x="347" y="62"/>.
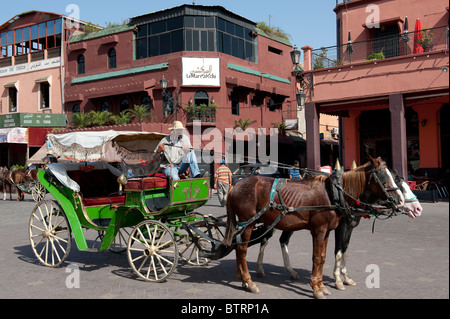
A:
<point x="22" y="181"/>
<point x="151" y="218"/>
<point x="134" y="209"/>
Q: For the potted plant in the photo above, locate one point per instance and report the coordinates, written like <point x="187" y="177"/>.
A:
<point x="426" y="41"/>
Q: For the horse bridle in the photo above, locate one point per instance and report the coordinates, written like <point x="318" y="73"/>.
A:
<point x="381" y="177"/>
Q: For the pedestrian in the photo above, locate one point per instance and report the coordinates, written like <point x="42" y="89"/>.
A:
<point x="178" y="154"/>
<point x="294" y="172"/>
<point x="222" y="181"/>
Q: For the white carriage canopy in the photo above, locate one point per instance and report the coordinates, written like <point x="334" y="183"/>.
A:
<point x="109" y="146"/>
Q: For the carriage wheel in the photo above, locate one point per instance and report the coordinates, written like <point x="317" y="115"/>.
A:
<point x="188" y="249"/>
<point x="119" y="245"/>
<point x="152" y="251"/>
<point x="38" y="192"/>
<point x="50" y="234"/>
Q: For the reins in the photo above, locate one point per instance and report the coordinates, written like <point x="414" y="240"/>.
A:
<point x="337" y="198"/>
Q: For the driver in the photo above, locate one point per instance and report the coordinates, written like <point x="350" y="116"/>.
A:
<point x="178" y="153"/>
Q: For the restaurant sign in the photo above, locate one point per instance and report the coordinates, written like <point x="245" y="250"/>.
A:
<point x="32" y="120"/>
<point x="201" y="71"/>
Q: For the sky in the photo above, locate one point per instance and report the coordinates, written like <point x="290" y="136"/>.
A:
<point x="307" y="22"/>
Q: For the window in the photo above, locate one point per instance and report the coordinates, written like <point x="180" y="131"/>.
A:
<point x="81" y="64"/>
<point x="195" y="33"/>
<point x="124" y="105"/>
<point x="146" y="101"/>
<point x="76" y="108"/>
<point x="112" y="64"/>
<point x="12" y="99"/>
<point x="235" y="104"/>
<point x="44" y="100"/>
<point x="201" y="98"/>
<point x="104" y="106"/>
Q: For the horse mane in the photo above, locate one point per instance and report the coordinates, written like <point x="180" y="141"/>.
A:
<point x="318" y="179"/>
<point x="354" y="181"/>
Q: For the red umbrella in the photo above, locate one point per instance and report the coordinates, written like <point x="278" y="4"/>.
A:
<point x="418" y="36"/>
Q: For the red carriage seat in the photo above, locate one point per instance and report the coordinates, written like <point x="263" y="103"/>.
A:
<point x="102" y="201"/>
<point x="157" y="180"/>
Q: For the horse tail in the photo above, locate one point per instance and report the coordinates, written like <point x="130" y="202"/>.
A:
<point x="231" y="221"/>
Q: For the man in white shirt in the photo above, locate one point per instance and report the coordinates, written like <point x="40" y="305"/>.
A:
<point x="176" y="148"/>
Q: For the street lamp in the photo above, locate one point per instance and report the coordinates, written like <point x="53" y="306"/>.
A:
<point x="295" y="56"/>
<point x="301" y="99"/>
<point x="169" y="101"/>
<point x="163" y="83"/>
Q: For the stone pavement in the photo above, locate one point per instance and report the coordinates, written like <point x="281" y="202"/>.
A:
<point x="409" y="257"/>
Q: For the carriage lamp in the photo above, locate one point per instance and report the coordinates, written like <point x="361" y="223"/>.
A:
<point x="122" y="180"/>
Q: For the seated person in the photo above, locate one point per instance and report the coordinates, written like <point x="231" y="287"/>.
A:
<point x="178" y="154"/>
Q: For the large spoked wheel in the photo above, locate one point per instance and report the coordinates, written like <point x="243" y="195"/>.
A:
<point x="189" y="251"/>
<point x="38" y="192"/>
<point x="119" y="245"/>
<point x="152" y="251"/>
<point x="50" y="234"/>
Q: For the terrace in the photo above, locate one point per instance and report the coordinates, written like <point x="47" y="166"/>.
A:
<point x="407" y="43"/>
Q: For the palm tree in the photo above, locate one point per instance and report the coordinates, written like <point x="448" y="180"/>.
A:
<point x="100" y="118"/>
<point x="243" y="124"/>
<point x="81" y="119"/>
<point x="140" y="112"/>
<point x="125" y="117"/>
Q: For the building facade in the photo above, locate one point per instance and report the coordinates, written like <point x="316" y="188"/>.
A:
<point x="387" y="79"/>
<point x="31" y="76"/>
<point x="219" y="67"/>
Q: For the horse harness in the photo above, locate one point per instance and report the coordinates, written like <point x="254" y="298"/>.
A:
<point x="337" y="198"/>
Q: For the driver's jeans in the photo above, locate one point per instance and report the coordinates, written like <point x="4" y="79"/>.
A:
<point x="189" y="160"/>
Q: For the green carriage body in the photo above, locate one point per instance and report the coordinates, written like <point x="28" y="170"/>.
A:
<point x="115" y="210"/>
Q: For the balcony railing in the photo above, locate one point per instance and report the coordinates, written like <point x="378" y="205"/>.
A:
<point x="403" y="44"/>
<point x="201" y="113"/>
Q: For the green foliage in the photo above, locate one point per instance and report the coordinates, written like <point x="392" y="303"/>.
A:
<point x="243" y="124"/>
<point x="125" y="117"/>
<point x="82" y="119"/>
<point x="273" y="31"/>
<point x="100" y="118"/>
<point x="141" y="112"/>
<point x="376" y="56"/>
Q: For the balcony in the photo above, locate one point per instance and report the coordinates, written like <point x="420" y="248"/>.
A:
<point x="377" y="68"/>
<point x="434" y="39"/>
<point x="203" y="113"/>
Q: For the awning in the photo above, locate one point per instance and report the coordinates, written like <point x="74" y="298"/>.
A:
<point x="39" y="157"/>
<point x="10" y="84"/>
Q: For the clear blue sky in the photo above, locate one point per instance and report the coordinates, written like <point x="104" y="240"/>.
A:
<point x="308" y="22"/>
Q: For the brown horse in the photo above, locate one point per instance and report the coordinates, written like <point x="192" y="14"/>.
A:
<point x="250" y="195"/>
<point x="14" y="178"/>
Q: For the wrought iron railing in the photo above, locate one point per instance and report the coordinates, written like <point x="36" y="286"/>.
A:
<point x="403" y="44"/>
<point x="201" y="113"/>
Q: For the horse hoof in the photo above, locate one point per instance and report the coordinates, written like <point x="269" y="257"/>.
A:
<point x="251" y="287"/>
<point x="326" y="292"/>
<point x="319" y="295"/>
<point x="295" y="276"/>
<point x="340" y="286"/>
<point x="261" y="274"/>
<point x="350" y="282"/>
